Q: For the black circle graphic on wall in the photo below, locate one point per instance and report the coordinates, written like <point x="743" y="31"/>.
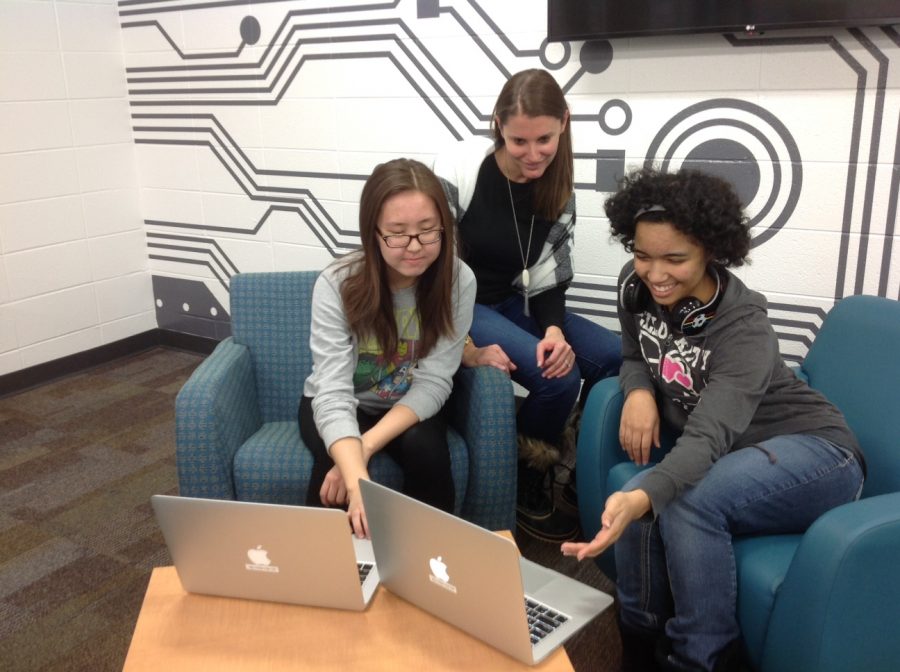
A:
<point x="596" y="56"/>
<point x="250" y="30"/>
<point x="734" y="163"/>
<point x="744" y="144"/>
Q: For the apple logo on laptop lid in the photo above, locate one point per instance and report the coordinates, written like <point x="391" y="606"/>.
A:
<point x="439" y="575"/>
<point x="259" y="560"/>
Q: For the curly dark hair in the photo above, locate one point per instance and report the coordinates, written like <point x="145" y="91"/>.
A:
<point x="701" y="206"/>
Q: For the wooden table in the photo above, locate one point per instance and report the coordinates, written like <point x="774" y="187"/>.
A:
<point x="180" y="631"/>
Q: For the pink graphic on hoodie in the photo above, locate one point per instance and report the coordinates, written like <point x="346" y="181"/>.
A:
<point x="673" y="370"/>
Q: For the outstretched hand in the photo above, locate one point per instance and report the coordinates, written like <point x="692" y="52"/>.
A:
<point x="622" y="508"/>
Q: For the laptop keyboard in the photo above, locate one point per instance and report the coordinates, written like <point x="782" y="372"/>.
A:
<point x="364" y="569"/>
<point x="542" y="620"/>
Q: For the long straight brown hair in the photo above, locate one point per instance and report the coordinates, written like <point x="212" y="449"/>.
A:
<point x="366" y="294"/>
<point x="535" y="93"/>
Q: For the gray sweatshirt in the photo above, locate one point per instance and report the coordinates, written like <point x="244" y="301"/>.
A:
<point x="348" y="373"/>
<point x="725" y="389"/>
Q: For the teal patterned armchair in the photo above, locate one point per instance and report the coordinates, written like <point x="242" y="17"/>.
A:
<point x="236" y="417"/>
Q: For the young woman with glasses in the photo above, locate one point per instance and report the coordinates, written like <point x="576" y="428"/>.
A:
<point x="388" y="327"/>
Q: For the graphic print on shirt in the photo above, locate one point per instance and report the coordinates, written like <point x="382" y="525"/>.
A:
<point x="676" y="365"/>
<point x="389" y="377"/>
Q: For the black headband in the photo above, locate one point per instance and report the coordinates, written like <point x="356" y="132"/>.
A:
<point x="651" y="208"/>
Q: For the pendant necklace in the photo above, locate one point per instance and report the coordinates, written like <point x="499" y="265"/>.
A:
<point x="523" y="255"/>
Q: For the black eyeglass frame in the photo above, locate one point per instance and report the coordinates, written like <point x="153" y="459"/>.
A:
<point x="409" y="238"/>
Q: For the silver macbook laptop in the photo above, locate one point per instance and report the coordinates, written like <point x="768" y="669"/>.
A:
<point x="279" y="553"/>
<point x="473" y="578"/>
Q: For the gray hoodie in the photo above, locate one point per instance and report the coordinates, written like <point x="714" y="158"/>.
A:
<point x="347" y="373"/>
<point x="724" y="389"/>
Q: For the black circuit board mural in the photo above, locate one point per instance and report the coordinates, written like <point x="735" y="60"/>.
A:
<point x="216" y="87"/>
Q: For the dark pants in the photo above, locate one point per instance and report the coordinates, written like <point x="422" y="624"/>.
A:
<point x="421" y="452"/>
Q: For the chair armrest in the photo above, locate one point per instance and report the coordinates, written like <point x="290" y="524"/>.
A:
<point x="482" y="410"/>
<point x="598" y="450"/>
<point x="215" y="412"/>
<point x="837" y="608"/>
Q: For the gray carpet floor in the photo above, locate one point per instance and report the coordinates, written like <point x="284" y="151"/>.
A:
<point x="79" y="459"/>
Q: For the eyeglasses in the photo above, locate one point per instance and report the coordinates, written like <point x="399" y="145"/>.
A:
<point x="404" y="239"/>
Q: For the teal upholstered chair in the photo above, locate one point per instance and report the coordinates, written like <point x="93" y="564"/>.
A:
<point x="236" y="417"/>
<point x="827" y="600"/>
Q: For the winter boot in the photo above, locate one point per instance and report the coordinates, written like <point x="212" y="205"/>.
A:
<point x="536" y="513"/>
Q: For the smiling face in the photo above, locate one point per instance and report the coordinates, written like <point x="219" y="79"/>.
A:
<point x="671" y="264"/>
<point x="529" y="145"/>
<point x="409" y="212"/>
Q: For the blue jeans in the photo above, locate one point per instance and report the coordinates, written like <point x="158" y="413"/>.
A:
<point x="598" y="354"/>
<point x="677" y="573"/>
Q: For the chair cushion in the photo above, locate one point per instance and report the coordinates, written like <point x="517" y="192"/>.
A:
<point x="620" y="474"/>
<point x="762" y="563"/>
<point x="274" y="466"/>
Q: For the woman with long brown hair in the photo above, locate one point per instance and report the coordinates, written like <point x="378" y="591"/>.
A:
<point x="388" y="328"/>
<point x="514" y="204"/>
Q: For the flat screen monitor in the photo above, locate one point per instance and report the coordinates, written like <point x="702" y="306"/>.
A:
<point x="606" y="19"/>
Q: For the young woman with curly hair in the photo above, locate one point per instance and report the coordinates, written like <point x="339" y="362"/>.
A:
<point x="759" y="452"/>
